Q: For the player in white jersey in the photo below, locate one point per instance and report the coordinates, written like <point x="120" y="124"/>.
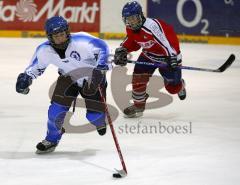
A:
<point x="81" y="60"/>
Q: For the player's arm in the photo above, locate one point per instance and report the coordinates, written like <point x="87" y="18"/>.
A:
<point x="36" y="68"/>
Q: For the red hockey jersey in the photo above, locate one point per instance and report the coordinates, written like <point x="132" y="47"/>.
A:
<point x="157" y="39"/>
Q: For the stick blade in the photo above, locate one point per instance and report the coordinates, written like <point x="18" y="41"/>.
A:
<point x="119" y="174"/>
<point x="227" y="64"/>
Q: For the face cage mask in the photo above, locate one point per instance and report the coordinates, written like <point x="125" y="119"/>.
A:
<point x="63" y="45"/>
<point x="134" y="26"/>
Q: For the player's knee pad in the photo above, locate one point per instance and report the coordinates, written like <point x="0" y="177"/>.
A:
<point x="173" y="88"/>
<point x="57" y="113"/>
<point x="96" y="118"/>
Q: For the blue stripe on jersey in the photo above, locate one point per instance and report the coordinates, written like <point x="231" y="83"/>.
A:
<point x="35" y="60"/>
<point x="104" y="51"/>
<point x="97" y="43"/>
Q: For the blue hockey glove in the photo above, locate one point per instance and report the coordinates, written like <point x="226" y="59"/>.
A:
<point x="23" y="83"/>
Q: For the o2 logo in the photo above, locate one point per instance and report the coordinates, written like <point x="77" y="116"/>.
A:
<point x="197" y="19"/>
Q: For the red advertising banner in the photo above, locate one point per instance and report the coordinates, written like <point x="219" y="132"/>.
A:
<point x="82" y="15"/>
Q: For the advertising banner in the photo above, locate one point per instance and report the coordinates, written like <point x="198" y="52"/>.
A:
<point x="27" y="15"/>
<point x="199" y="17"/>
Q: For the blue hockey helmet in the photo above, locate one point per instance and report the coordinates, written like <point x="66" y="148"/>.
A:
<point x="132" y="15"/>
<point x="55" y="25"/>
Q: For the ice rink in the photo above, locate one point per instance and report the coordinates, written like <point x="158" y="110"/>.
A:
<point x="207" y="152"/>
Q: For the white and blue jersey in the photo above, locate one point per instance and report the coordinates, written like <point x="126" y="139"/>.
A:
<point x="84" y="51"/>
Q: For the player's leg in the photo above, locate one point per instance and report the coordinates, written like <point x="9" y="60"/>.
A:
<point x="56" y="114"/>
<point x="173" y="82"/>
<point x="140" y="79"/>
<point x="64" y="94"/>
<point x="96" y="109"/>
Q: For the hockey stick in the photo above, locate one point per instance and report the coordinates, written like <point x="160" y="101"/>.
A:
<point x="221" y="69"/>
<point x="123" y="172"/>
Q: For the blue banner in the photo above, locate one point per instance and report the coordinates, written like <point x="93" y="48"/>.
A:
<point x="198" y="17"/>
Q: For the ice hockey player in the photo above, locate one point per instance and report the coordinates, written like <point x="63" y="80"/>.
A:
<point x="70" y="53"/>
<point x="158" y="41"/>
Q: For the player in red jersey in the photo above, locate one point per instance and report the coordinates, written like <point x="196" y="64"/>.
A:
<point x="158" y="41"/>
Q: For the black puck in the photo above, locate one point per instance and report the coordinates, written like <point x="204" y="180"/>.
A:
<point x="117" y="175"/>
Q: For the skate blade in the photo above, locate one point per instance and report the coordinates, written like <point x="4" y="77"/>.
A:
<point x="122" y="173"/>
<point x="46" y="151"/>
<point x="138" y="114"/>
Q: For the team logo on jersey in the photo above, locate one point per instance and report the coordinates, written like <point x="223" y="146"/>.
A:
<point x="146" y="45"/>
<point x="75" y="55"/>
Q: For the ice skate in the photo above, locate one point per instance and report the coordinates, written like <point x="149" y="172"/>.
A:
<point x="183" y="93"/>
<point x="101" y="129"/>
<point x="133" y="111"/>
<point x="45" y="147"/>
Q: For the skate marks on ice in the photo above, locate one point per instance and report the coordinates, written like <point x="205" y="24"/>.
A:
<point x="80" y="156"/>
<point x="72" y="155"/>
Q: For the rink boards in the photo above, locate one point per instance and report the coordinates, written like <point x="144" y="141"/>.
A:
<point x="193" y="20"/>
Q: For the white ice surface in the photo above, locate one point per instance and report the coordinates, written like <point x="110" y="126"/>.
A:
<point x="210" y="155"/>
